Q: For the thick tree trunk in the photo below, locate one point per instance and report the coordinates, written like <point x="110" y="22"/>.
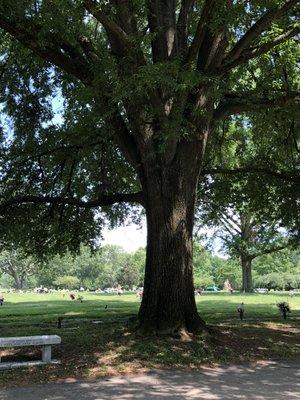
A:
<point x="18" y="282"/>
<point x="168" y="304"/>
<point x="246" y="262"/>
<point x="23" y="281"/>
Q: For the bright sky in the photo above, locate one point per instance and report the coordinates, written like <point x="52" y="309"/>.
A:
<point x="130" y="237"/>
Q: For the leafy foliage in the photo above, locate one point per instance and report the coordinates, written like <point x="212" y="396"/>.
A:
<point x="72" y="71"/>
<point x="19" y="267"/>
<point x="67" y="282"/>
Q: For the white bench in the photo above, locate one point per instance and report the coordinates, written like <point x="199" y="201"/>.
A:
<point x="45" y="342"/>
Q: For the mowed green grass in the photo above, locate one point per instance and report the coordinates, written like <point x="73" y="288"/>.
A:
<point x="20" y="307"/>
<point x="214" y="307"/>
<point x="111" y="346"/>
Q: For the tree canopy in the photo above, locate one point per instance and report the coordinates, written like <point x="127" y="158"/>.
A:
<point x="92" y="58"/>
<point x="110" y="103"/>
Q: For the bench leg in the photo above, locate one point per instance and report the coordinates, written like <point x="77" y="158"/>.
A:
<point x="46" y="354"/>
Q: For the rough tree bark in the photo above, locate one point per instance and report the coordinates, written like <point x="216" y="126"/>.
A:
<point x="168" y="305"/>
<point x="246" y="262"/>
<point x="18" y="281"/>
<point x="18" y="277"/>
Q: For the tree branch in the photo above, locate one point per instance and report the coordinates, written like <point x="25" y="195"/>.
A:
<point x="230" y="218"/>
<point x="227" y="223"/>
<point x="162" y="24"/>
<point x="62" y="148"/>
<point x="261" y="25"/>
<point x="270" y="251"/>
<point x="264" y="48"/>
<point x="109" y="25"/>
<point x="200" y="31"/>
<point x="227" y="228"/>
<point x="253" y="52"/>
<point x="119" y="40"/>
<point x="126" y="16"/>
<point x="102" y="201"/>
<point x="59" y="53"/>
<point x="238" y="103"/>
<point x="125" y="140"/>
<point x="293" y="178"/>
<point x="182" y="24"/>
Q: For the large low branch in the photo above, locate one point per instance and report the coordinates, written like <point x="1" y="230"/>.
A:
<point x="289" y="177"/>
<point x="238" y="103"/>
<point x="261" y="25"/>
<point x="102" y="201"/>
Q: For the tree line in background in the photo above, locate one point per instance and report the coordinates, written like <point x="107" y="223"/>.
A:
<point x="111" y="266"/>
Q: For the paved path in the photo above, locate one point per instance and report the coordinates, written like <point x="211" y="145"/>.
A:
<point x="269" y="380"/>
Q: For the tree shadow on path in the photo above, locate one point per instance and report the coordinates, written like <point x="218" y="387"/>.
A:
<point x="265" y="380"/>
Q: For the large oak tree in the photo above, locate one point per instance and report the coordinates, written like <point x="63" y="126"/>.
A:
<point x="144" y="85"/>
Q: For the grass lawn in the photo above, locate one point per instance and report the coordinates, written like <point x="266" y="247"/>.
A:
<point x="90" y="350"/>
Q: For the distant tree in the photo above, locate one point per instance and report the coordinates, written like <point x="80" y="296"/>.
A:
<point x="230" y="269"/>
<point x="67" y="282"/>
<point x="246" y="228"/>
<point x="53" y="267"/>
<point x="128" y="273"/>
<point x="202" y="266"/>
<point x="203" y="281"/>
<point x="280" y="262"/>
<point x="211" y="269"/>
<point x="279" y="270"/>
<point x="295" y="257"/>
<point x="6" y="281"/>
<point x="139" y="259"/>
<point x="17" y="265"/>
<point x="279" y="281"/>
<point x="110" y="260"/>
<point x="87" y="267"/>
<point x="246" y="238"/>
<point x="93" y="269"/>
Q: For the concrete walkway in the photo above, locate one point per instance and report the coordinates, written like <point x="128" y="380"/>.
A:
<point x="268" y="380"/>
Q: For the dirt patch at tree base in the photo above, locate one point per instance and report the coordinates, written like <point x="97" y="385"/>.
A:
<point x="90" y="354"/>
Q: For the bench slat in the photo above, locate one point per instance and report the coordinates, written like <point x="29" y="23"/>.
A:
<point x="29" y="341"/>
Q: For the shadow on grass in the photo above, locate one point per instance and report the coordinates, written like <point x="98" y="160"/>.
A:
<point x="90" y="351"/>
<point x="111" y="347"/>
